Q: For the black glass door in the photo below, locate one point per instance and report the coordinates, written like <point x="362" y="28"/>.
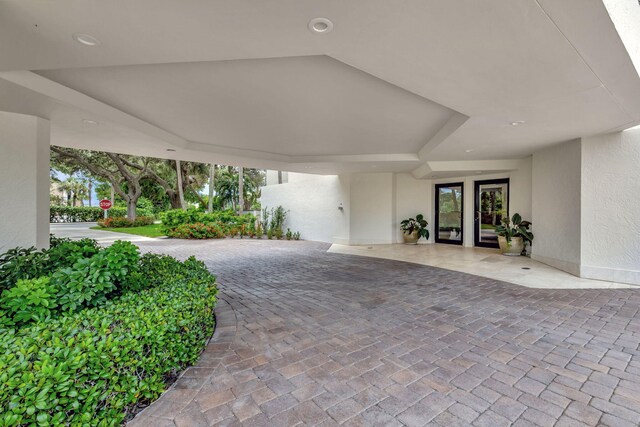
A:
<point x="449" y="213"/>
<point x="491" y="203"/>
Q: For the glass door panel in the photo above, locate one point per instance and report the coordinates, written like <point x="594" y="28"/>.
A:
<point x="449" y="213"/>
<point x="491" y="203"/>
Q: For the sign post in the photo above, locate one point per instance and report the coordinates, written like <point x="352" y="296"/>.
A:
<point x="105" y="204"/>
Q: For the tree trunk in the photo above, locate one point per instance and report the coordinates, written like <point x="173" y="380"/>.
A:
<point x="180" y="189"/>
<point x="212" y="177"/>
<point x="240" y="189"/>
<point x="131" y="209"/>
<point x="113" y="195"/>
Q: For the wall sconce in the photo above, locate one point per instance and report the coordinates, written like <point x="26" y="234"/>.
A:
<point x="340" y="207"/>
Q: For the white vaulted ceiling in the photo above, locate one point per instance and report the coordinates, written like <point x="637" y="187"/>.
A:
<point x="394" y="86"/>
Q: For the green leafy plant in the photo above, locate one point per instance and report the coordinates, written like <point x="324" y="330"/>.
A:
<point x="515" y="227"/>
<point x="296" y="235"/>
<point x="29" y="300"/>
<point x="89" y="281"/>
<point x="278" y="217"/>
<point x="123" y="222"/>
<point x="197" y="231"/>
<point x="289" y="234"/>
<point x="226" y="221"/>
<point x="269" y="234"/>
<point x="30" y="263"/>
<point x="95" y="366"/>
<point x="277" y="233"/>
<point x="264" y="218"/>
<point x="419" y="224"/>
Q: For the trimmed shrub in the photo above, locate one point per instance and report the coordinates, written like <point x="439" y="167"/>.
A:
<point x="95" y="366"/>
<point x="90" y="280"/>
<point x="122" y="222"/>
<point x="197" y="231"/>
<point x="226" y="221"/>
<point x="20" y="263"/>
<point x="90" y="213"/>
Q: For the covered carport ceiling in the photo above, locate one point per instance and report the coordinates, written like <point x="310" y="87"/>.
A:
<point x="393" y="86"/>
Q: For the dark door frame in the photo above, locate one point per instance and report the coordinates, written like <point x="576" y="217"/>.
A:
<point x="476" y="215"/>
<point x="437" y="215"/>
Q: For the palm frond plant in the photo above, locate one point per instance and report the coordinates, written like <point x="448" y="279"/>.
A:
<point x="515" y="228"/>
<point x="414" y="228"/>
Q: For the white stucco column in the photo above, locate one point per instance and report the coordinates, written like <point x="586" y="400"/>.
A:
<point x="24" y="181"/>
<point x="585" y="207"/>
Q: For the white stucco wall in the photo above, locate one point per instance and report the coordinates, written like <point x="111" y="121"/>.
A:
<point x="312" y="201"/>
<point x="372" y="208"/>
<point x="375" y="203"/>
<point x="519" y="195"/>
<point x="412" y="197"/>
<point x="610" y="207"/>
<point x="556" y="206"/>
<point x="24" y="181"/>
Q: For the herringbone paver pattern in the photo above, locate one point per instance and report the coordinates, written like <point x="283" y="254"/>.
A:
<point x="311" y="338"/>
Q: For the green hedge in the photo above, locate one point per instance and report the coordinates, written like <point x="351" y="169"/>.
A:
<point x="96" y="365"/>
<point x="123" y="222"/>
<point x="193" y="224"/>
<point x="197" y="231"/>
<point x="90" y="213"/>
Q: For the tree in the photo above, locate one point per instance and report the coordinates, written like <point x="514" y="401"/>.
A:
<point x="180" y="187"/>
<point x="122" y="171"/>
<point x="227" y="185"/>
<point x="75" y="189"/>
<point x="240" y="189"/>
<point x="193" y="176"/>
<point x="212" y="176"/>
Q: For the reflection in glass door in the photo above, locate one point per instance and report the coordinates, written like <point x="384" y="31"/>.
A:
<point x="492" y="201"/>
<point x="449" y="209"/>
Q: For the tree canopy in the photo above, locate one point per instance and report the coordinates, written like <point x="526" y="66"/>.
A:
<point x="133" y="177"/>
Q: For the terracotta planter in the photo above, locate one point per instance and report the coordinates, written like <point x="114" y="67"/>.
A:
<point x="513" y="248"/>
<point x="411" y="238"/>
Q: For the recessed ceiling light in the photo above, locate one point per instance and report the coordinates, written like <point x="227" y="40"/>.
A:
<point x="478" y="172"/>
<point x="320" y="25"/>
<point x="468" y="151"/>
<point x="86" y="39"/>
<point x="171" y="149"/>
<point x="89" y="122"/>
<point x="517" y="123"/>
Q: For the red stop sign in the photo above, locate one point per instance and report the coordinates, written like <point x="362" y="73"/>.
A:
<point x="105" y="204"/>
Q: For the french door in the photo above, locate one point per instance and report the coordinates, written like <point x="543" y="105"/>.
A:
<point x="491" y="205"/>
<point x="449" y="213"/>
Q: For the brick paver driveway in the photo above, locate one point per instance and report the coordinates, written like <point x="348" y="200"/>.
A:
<point x="313" y="338"/>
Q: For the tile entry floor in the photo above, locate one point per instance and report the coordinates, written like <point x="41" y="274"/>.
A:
<point x="482" y="262"/>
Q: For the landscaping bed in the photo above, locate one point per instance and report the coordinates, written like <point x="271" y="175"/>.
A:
<point x="90" y="334"/>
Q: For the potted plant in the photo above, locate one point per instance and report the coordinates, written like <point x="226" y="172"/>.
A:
<point x="414" y="228"/>
<point x="513" y="235"/>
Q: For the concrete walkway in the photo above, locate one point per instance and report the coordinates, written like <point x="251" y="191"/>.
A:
<point x="308" y="337"/>
<point x="79" y="230"/>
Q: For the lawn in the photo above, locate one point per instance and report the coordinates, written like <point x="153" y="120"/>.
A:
<point x="153" y="230"/>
